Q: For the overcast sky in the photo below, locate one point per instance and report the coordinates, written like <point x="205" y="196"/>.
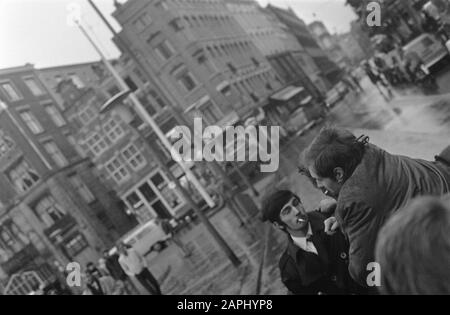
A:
<point x="37" y="31"/>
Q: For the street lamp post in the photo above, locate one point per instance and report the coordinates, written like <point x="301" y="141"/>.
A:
<point x="114" y="104"/>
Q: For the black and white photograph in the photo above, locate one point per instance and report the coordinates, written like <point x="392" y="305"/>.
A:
<point x="225" y="153"/>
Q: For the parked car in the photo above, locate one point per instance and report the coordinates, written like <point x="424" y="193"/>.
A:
<point x="146" y="238"/>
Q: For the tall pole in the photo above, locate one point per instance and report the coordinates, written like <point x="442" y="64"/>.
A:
<point x="140" y="109"/>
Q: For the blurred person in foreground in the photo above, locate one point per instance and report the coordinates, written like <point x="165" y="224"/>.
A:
<point x="314" y="263"/>
<point x="369" y="185"/>
<point x="413" y="249"/>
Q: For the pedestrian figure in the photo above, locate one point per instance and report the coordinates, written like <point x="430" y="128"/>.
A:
<point x="378" y="81"/>
<point x="115" y="270"/>
<point x="135" y="265"/>
<point x="102" y="285"/>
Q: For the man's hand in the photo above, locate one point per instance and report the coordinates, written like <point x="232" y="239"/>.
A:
<point x="327" y="206"/>
<point x="331" y="226"/>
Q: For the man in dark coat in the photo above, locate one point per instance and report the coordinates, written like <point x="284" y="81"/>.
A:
<point x="369" y="185"/>
<point x="314" y="262"/>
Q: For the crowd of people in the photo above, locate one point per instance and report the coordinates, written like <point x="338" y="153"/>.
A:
<point x="382" y="210"/>
<point x="114" y="273"/>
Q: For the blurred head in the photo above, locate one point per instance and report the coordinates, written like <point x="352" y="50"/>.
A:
<point x="413" y="249"/>
<point x="105" y="254"/>
<point x="91" y="269"/>
<point x="286" y="212"/>
<point x="87" y="278"/>
<point x="332" y="158"/>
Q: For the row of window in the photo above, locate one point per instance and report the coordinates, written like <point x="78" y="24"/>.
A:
<point x="143" y="20"/>
<point x="229" y="49"/>
<point x="99" y="143"/>
<point x="252" y="84"/>
<point x="24" y="177"/>
<point x="33" y="123"/>
<point x="205" y="20"/>
<point x="117" y="167"/>
<point x="13" y="94"/>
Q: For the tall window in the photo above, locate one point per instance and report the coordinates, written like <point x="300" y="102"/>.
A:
<point x="148" y="105"/>
<point x="113" y="130"/>
<point x="86" y="115"/>
<point x="56" y="154"/>
<point x="168" y="194"/>
<point x="82" y="189"/>
<point x="134" y="157"/>
<point x="23" y="176"/>
<point x="10" y="91"/>
<point x="158" y="99"/>
<point x="12" y="240"/>
<point x="6" y="144"/>
<point x="142" y="22"/>
<point x="55" y="115"/>
<point x="96" y="144"/>
<point x="165" y="50"/>
<point x="74" y="143"/>
<point x="210" y="112"/>
<point x="76" y="80"/>
<point x="49" y="211"/>
<point x="162" y="4"/>
<point x="33" y="124"/>
<point x="117" y="170"/>
<point x="187" y="81"/>
<point x="140" y="75"/>
<point x="34" y="86"/>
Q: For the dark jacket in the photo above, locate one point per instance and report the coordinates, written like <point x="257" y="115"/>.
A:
<point x="310" y="274"/>
<point x="114" y="268"/>
<point x="382" y="184"/>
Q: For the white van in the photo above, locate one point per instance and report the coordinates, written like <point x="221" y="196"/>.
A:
<point x="145" y="238"/>
<point x="428" y="48"/>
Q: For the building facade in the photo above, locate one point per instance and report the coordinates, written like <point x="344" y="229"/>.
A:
<point x="329" y="71"/>
<point x="351" y="48"/>
<point x="328" y="43"/>
<point x="53" y="206"/>
<point x="120" y="153"/>
<point x="206" y="63"/>
<point x="286" y="55"/>
<point x="82" y="74"/>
